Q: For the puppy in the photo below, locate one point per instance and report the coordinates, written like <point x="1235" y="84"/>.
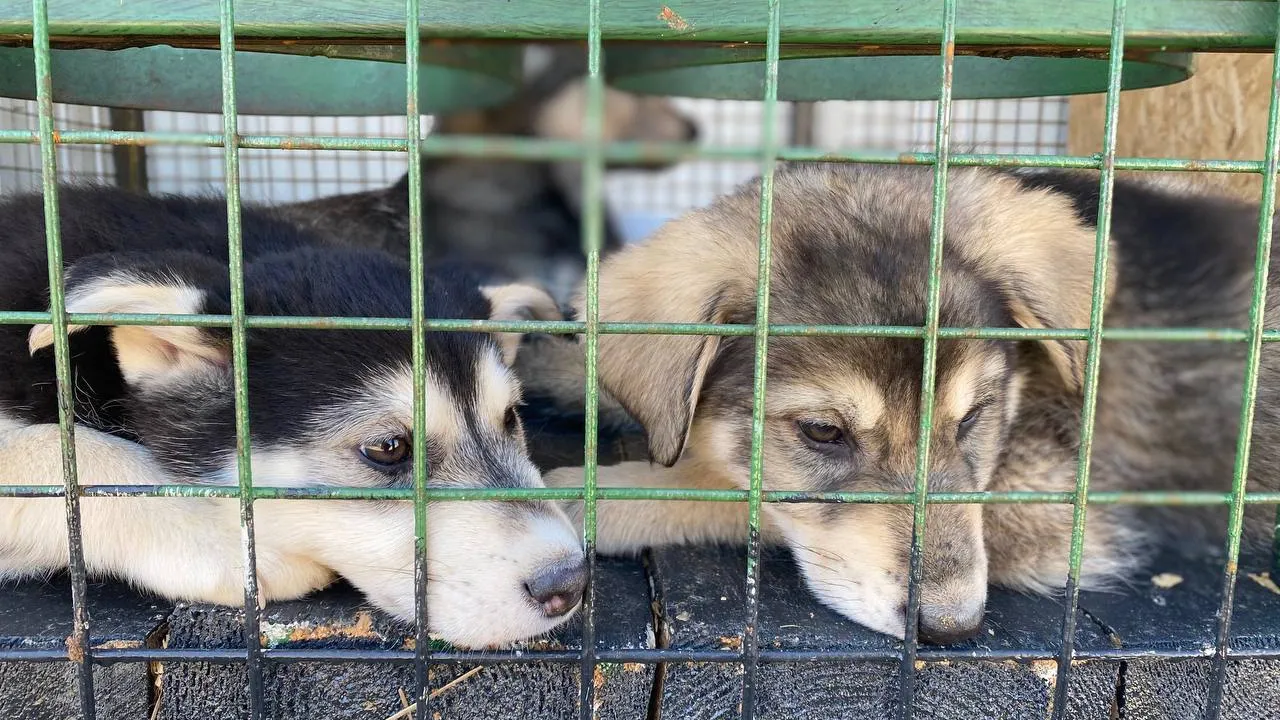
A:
<point x="850" y="247"/>
<point x="523" y="220"/>
<point x="327" y="408"/>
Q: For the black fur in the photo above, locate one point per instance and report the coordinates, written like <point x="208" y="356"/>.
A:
<point x="287" y="272"/>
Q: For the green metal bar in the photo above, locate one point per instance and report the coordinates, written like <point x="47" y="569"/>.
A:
<point x="768" y="159"/>
<point x="942" y="149"/>
<point x="239" y="362"/>
<point x="417" y="284"/>
<point x="523" y="148"/>
<point x="1173" y="498"/>
<point x="1172" y="25"/>
<point x="592" y="239"/>
<point x="638" y="328"/>
<point x="1257" y="318"/>
<point x="78" y="645"/>
<point x="1097" y="305"/>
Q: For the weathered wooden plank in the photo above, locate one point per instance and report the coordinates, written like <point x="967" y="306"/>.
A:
<point x="338" y="618"/>
<point x="37" y="616"/>
<point x="1174" y="24"/>
<point x="701" y="593"/>
<point x="1176" y="609"/>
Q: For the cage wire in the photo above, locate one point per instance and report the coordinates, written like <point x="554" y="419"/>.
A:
<point x="639" y="199"/>
<point x="935" y="130"/>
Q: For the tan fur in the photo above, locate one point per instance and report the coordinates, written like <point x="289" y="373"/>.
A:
<point x="692" y="393"/>
<point x="151" y="352"/>
<point x="479" y="554"/>
<point x="518" y="301"/>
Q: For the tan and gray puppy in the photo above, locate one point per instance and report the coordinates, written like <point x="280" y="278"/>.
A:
<point x="850" y="247"/>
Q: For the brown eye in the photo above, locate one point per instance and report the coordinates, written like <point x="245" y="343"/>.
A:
<point x="511" y="421"/>
<point x="388" y="453"/>
<point x="821" y="433"/>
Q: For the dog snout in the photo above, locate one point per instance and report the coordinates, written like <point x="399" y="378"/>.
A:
<point x="558" y="589"/>
<point x="949" y="624"/>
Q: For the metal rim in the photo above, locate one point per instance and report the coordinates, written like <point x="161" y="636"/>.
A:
<point x="739" y="75"/>
<point x="189" y="80"/>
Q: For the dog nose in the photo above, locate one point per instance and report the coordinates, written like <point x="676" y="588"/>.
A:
<point x="558" y="588"/>
<point x="948" y="625"/>
<point x="691" y="131"/>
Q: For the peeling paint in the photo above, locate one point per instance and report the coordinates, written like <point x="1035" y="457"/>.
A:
<point x="673" y="19"/>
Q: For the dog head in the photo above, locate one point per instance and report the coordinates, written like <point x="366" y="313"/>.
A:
<point x="851" y="247"/>
<point x="552" y="104"/>
<point x="335" y="408"/>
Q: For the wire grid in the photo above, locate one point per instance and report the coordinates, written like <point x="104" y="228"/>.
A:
<point x="20" y="164"/>
<point x="593" y="153"/>
<point x="639" y="198"/>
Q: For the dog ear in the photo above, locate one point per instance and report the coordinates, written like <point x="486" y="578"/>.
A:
<point x="699" y="268"/>
<point x="514" y="302"/>
<point x="177" y="283"/>
<point x="1035" y="247"/>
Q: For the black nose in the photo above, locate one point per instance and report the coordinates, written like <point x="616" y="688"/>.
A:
<point x="945" y="629"/>
<point x="558" y="589"/>
<point x="691" y="131"/>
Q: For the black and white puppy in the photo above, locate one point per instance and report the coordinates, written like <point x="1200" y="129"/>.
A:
<point x="327" y="408"/>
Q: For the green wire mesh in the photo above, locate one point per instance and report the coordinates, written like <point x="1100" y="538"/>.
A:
<point x="1129" y="27"/>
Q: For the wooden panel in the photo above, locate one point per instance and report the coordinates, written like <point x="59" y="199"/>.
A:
<point x="1219" y="114"/>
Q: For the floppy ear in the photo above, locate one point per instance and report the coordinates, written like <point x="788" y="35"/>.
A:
<point x="1033" y="244"/>
<point x="514" y="302"/>
<point x="176" y="283"/>
<point x="699" y="268"/>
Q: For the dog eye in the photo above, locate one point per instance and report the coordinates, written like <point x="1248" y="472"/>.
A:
<point x="511" y="421"/>
<point x="387" y="453"/>
<point x="821" y="433"/>
<point x="970" y="418"/>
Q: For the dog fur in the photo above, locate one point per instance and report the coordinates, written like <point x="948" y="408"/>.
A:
<point x="850" y="246"/>
<point x="154" y="405"/>
<point x="520" y="220"/>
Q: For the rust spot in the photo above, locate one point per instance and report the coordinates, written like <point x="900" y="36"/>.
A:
<point x="118" y="645"/>
<point x="361" y="629"/>
<point x="731" y="642"/>
<point x="75" y="650"/>
<point x="598" y="678"/>
<point x="633" y="667"/>
<point x="1046" y="670"/>
<point x="673" y="19"/>
<point x="57" y="136"/>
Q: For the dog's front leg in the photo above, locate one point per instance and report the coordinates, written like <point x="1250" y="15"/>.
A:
<point x="626" y="527"/>
<point x="180" y="548"/>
